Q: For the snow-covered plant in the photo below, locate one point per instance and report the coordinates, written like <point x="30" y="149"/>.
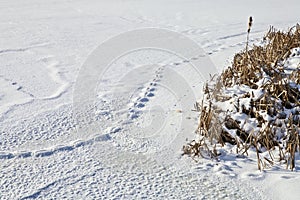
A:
<point x="255" y="103"/>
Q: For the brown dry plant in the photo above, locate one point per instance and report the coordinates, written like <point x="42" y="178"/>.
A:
<point x="248" y="67"/>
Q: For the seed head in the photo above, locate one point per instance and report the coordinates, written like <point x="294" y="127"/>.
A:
<point x="250" y="24"/>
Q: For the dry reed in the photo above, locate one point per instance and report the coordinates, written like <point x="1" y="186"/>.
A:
<point x="279" y="93"/>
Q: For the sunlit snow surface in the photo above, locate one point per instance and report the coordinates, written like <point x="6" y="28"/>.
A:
<point x="43" y="152"/>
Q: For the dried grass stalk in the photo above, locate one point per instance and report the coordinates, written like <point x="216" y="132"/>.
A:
<point x="248" y="67"/>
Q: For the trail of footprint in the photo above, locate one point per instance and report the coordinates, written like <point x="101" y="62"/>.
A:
<point x="204" y="31"/>
<point x="218" y="45"/>
<point x="57" y="130"/>
<point x="10" y="88"/>
<point x="257" y="175"/>
<point x="146" y="93"/>
<point x="194" y="31"/>
<point x="59" y="148"/>
<point x="144" y="97"/>
<point x="16" y="50"/>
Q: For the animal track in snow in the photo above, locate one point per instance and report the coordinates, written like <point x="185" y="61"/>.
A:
<point x="58" y="148"/>
<point x="257" y="175"/>
<point x="146" y="93"/>
<point x="10" y="88"/>
<point x="51" y="128"/>
<point x="22" y="49"/>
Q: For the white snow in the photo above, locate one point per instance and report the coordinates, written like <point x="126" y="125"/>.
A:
<point x="142" y="117"/>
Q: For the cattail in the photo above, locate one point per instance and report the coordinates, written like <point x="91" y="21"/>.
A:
<point x="250" y="24"/>
<point x="249" y="28"/>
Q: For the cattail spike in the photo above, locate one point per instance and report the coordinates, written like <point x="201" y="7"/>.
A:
<point x="250" y="24"/>
<point x="249" y="28"/>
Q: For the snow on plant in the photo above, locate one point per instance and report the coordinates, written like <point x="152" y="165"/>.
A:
<point x="254" y="104"/>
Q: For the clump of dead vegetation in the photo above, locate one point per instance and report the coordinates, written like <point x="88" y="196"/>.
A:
<point x="263" y="112"/>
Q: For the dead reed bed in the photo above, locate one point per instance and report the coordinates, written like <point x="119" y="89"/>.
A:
<point x="264" y="115"/>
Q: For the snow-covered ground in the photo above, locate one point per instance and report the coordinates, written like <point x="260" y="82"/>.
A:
<point x="128" y="147"/>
